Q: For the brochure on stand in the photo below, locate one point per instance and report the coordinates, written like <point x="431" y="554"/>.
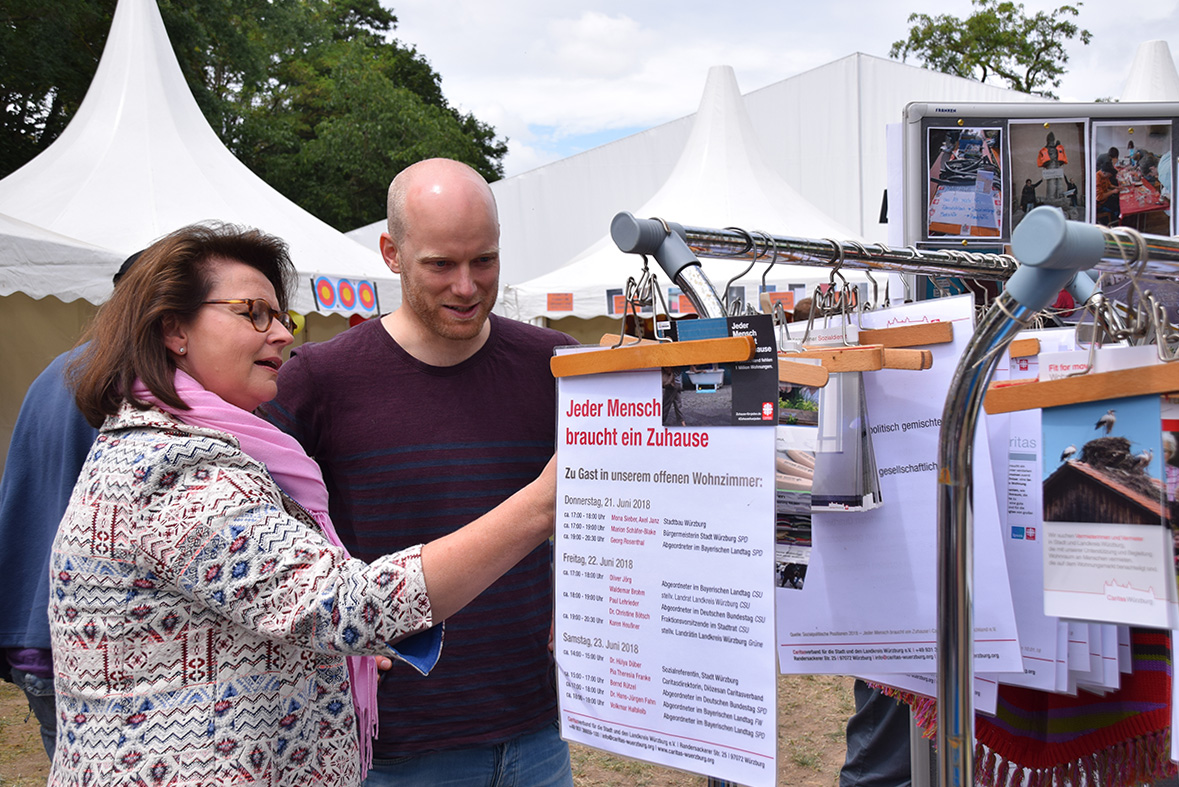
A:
<point x="1015" y="451"/>
<point x="1108" y="551"/>
<point x="869" y="603"/>
<point x="664" y="562"/>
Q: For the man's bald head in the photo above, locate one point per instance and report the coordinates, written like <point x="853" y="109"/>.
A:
<point x="435" y="179"/>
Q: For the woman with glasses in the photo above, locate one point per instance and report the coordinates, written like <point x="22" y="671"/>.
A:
<point x="207" y="626"/>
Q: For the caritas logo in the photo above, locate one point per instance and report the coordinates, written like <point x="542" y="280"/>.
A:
<point x="767" y="411"/>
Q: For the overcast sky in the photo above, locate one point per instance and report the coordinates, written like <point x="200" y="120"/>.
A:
<point x="558" y="78"/>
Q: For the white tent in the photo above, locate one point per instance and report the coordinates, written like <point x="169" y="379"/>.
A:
<point x="721" y="179"/>
<point x="39" y="262"/>
<point x="1152" y="76"/>
<point x="138" y="160"/>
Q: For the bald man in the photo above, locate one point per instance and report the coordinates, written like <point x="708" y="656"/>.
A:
<point x="422" y="421"/>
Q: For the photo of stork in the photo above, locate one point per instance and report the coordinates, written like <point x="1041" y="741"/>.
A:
<point x="1115" y="477"/>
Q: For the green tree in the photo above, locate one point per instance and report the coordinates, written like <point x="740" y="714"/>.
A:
<point x="48" y="53"/>
<point x="336" y="123"/>
<point x="313" y="95"/>
<point x="997" y="40"/>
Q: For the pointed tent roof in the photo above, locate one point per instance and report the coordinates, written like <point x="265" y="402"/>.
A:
<point x="1152" y="76"/>
<point x="719" y="180"/>
<point x="139" y="160"/>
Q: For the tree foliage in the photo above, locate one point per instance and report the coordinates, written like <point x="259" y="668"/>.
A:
<point x="48" y="53"/>
<point x="997" y="40"/>
<point x="313" y="95"/>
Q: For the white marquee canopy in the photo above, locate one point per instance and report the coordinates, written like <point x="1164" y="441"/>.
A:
<point x="721" y="179"/>
<point x="1152" y="76"/>
<point x="139" y="160"/>
<point x="39" y="262"/>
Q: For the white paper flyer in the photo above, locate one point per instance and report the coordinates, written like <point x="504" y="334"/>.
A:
<point x="664" y="558"/>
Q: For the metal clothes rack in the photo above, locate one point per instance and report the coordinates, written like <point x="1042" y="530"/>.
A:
<point x="1161" y="254"/>
<point x="1051" y="252"/>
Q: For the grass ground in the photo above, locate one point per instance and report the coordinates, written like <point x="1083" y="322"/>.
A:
<point x="812" y="712"/>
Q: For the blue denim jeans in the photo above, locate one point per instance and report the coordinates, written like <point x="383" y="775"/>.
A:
<point x="537" y="760"/>
<point x="43" y="704"/>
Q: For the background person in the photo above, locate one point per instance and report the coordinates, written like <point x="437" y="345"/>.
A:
<point x="1107" y="191"/>
<point x="420" y="420"/>
<point x="200" y="612"/>
<point x="50" y="441"/>
<point x="1050" y="160"/>
<point x="1027" y="197"/>
<point x="1070" y="192"/>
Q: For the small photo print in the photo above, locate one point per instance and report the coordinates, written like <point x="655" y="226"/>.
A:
<point x="1103" y="462"/>
<point x="1048" y="167"/>
<point x="698" y="395"/>
<point x="792" y="552"/>
<point x="965" y="183"/>
<point x="1132" y="176"/>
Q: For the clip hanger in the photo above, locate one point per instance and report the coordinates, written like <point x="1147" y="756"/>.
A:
<point x="808" y="374"/>
<point x="1015" y="395"/>
<point x="812" y="375"/>
<point x="1024" y="348"/>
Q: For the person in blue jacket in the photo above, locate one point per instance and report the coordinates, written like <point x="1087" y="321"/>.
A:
<point x="50" y="442"/>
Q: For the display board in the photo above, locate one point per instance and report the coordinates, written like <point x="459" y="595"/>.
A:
<point x="973" y="171"/>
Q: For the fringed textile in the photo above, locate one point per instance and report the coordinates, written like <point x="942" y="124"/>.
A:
<point x="1041" y="739"/>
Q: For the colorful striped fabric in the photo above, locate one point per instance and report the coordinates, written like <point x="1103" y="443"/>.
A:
<point x="1122" y="738"/>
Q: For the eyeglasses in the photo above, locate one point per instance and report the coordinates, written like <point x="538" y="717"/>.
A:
<point x="262" y="313"/>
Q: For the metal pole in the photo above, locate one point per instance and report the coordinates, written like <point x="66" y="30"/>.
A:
<point x="739" y="244"/>
<point x="955" y="557"/>
<point x="1052" y="250"/>
<point x="1119" y="246"/>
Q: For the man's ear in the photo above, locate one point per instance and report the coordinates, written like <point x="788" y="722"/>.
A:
<point x="175" y="335"/>
<point x="389" y="253"/>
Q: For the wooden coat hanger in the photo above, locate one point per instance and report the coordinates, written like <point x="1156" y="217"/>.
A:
<point x="909" y="335"/>
<point x="1024" y="348"/>
<point x="1015" y="395"/>
<point x="864" y="358"/>
<point x="653" y="355"/>
<point x="882" y="348"/>
<point x="808" y="374"/>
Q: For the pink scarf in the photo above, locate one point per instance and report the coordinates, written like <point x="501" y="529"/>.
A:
<point x="298" y="476"/>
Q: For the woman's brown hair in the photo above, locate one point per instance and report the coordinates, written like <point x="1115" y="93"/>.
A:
<point x="170" y="279"/>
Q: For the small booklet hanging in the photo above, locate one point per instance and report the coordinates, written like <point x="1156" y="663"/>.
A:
<point x="845" y="477"/>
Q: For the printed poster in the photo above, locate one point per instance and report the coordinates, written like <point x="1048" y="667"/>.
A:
<point x="965" y="183"/>
<point x="1017" y="437"/>
<point x="664" y="560"/>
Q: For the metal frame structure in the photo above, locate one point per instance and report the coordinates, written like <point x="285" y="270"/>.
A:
<point x="1053" y="252"/>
